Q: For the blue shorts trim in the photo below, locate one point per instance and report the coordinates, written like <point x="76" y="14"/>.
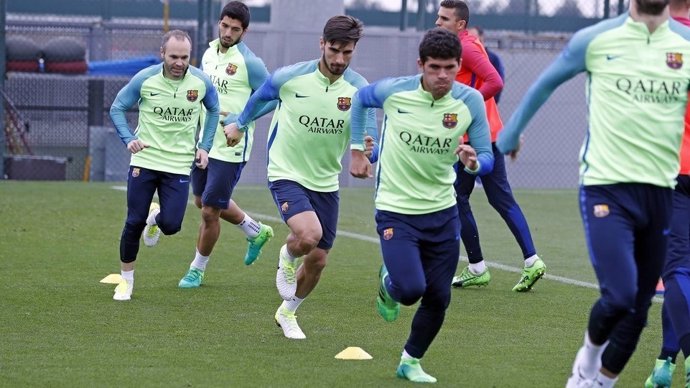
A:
<point x="292" y="198"/>
<point x="216" y="182"/>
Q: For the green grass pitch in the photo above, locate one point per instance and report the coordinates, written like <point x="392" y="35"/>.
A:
<point x="59" y="327"/>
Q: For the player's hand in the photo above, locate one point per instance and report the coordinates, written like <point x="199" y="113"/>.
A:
<point x="467" y="155"/>
<point x="514" y="153"/>
<point x="233" y="135"/>
<point x="368" y="146"/>
<point x="222" y="115"/>
<point x="359" y="165"/>
<point x="136" y="145"/>
<point x="509" y="145"/>
<point x="201" y="158"/>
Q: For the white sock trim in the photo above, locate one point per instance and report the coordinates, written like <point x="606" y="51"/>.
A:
<point x="478" y="268"/>
<point x="249" y="226"/>
<point x="200" y="261"/>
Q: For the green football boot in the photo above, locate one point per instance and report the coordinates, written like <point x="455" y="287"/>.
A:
<point x="661" y="375"/>
<point x="530" y="275"/>
<point x="388" y="308"/>
<point x="410" y="369"/>
<point x="192" y="279"/>
<point x="469" y="279"/>
<point x="254" y="245"/>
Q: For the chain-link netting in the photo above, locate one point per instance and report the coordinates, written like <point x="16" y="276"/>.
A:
<point x="67" y="114"/>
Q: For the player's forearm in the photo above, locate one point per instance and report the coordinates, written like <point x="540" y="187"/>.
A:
<point x="117" y="116"/>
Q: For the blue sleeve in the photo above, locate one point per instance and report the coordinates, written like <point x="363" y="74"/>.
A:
<point x="569" y="63"/>
<point x="265" y="98"/>
<point x="212" y="105"/>
<point x="358" y="81"/>
<point x="479" y="134"/>
<point x="679" y="28"/>
<point x="374" y="157"/>
<point x="125" y="99"/>
<point x="257" y="103"/>
<point x="256" y="70"/>
<point x="361" y="121"/>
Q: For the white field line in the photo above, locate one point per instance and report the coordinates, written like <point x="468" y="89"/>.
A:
<point x="375" y="240"/>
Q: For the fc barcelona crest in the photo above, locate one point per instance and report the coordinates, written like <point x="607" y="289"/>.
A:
<point x="344" y="103"/>
<point x="674" y="60"/>
<point x="388" y="233"/>
<point x="601" y="211"/>
<point x="450" y="120"/>
<point x="135" y="172"/>
<point x="231" y="69"/>
<point x="192" y="95"/>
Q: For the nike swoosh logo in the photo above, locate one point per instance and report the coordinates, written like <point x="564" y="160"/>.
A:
<point x="297" y="95"/>
<point x="184" y="181"/>
<point x="403" y="111"/>
<point x="154" y="94"/>
<point x="612" y="57"/>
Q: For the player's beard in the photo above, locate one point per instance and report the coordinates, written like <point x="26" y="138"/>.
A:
<point x="222" y="43"/>
<point x="651" y="7"/>
<point x="334" y="70"/>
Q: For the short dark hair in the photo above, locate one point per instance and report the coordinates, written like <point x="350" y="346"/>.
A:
<point x="462" y="11"/>
<point x="343" y="28"/>
<point x="177" y="34"/>
<point x="238" y="11"/>
<point x="439" y="43"/>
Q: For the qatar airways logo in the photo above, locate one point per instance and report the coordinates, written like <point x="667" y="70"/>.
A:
<point x="174" y="114"/>
<point x="652" y="91"/>
<point x="220" y="84"/>
<point x="322" y="125"/>
<point x="426" y="144"/>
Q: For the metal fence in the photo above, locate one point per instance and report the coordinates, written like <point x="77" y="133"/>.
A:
<point x="67" y="114"/>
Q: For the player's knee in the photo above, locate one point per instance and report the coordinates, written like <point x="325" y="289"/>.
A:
<point x="197" y="201"/>
<point x="504" y="204"/>
<point x="411" y="294"/>
<point x="440" y="301"/>
<point x="307" y="240"/>
<point x="209" y="215"/>
<point x="132" y="231"/>
<point x="622" y="301"/>
<point x="169" y="227"/>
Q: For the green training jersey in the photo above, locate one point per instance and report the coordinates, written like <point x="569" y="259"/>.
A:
<point x="415" y="172"/>
<point x="169" y="113"/>
<point x="637" y="93"/>
<point x="310" y="130"/>
<point x="236" y="74"/>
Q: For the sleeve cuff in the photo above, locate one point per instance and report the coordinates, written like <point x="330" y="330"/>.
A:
<point x="475" y="171"/>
